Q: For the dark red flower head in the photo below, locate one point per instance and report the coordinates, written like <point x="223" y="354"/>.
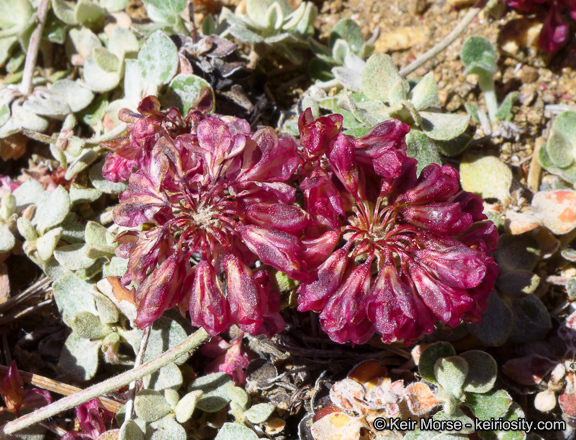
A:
<point x="414" y="250"/>
<point x="211" y="202"/>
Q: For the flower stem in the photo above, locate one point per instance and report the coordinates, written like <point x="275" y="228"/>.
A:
<point x="185" y="347"/>
<point x="447" y="41"/>
<point x="32" y="55"/>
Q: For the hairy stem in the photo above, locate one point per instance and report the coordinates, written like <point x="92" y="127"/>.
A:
<point x="486" y="82"/>
<point x="134" y="384"/>
<point x="32" y="55"/>
<point x="186" y="347"/>
<point x="447" y="41"/>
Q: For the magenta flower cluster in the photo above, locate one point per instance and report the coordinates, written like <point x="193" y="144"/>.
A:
<point x="212" y="211"/>
<point x="556" y="31"/>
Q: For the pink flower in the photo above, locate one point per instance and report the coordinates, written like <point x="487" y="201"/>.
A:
<point x="144" y="129"/>
<point x="555" y="31"/>
<point x="19" y="400"/>
<point x="215" y="199"/>
<point x="230" y="358"/>
<point x="93" y="420"/>
<point x="415" y="250"/>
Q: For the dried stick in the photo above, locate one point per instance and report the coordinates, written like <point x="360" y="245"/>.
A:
<point x="38" y="287"/>
<point x="58" y="387"/>
<point x="32" y="55"/>
<point x="134" y="384"/>
<point x="446" y="41"/>
<point x="186" y="347"/>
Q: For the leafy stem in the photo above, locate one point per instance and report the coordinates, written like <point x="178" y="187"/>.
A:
<point x="186" y="347"/>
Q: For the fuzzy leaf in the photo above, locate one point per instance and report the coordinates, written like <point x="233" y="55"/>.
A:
<point x="245" y="35"/>
<point x="422" y="148"/>
<point x="430" y="355"/>
<point x="183" y="92"/>
<point x="166" y="429"/>
<point x="166" y="333"/>
<point x="72" y="229"/>
<point x="98" y="79"/>
<point x="46" y="104"/>
<point x="114" y="5"/>
<point x="531" y="320"/>
<point x="167" y="377"/>
<point x="259" y="413"/>
<point x="72" y="297"/>
<point x="29" y="193"/>
<point x="51" y="209"/>
<point x="106" y="60"/>
<point x="100" y="240"/>
<point x="257" y="10"/>
<point x="74" y="256"/>
<point x="158" y="59"/>
<point x="379" y="76"/>
<point x="560" y="150"/>
<point x="117" y="267"/>
<point x="79" y="358"/>
<point x="425" y="94"/>
<point x="87" y="12"/>
<point x="234" y="431"/>
<point x="451" y="374"/>
<point x="496" y="323"/>
<point x="47" y="243"/>
<point x="86" y="158"/>
<point x="130" y="431"/>
<point x="454" y="146"/>
<point x="76" y="96"/>
<point x="239" y="397"/>
<point x="7" y="240"/>
<point x="87" y="326"/>
<point x="186" y="406"/>
<point x="505" y="110"/>
<point x="215" y="387"/>
<point x="349" y="31"/>
<point x="348" y="77"/>
<point x="486" y="176"/>
<point x="122" y="42"/>
<point x="444" y="126"/>
<point x="479" y="56"/>
<point x="493" y="404"/>
<point x="84" y="195"/>
<point x="107" y="311"/>
<point x="166" y="10"/>
<point x="65" y="11"/>
<point x="517" y="252"/>
<point x="150" y="405"/>
<point x="274" y="17"/>
<point x="482" y="371"/>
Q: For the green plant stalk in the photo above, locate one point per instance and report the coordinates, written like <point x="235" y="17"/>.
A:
<point x="486" y="83"/>
<point x="186" y="347"/>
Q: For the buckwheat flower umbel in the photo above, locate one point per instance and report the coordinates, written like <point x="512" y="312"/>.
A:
<point x="413" y="250"/>
<point x="93" y="419"/>
<point x="204" y="208"/>
<point x="17" y="399"/>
